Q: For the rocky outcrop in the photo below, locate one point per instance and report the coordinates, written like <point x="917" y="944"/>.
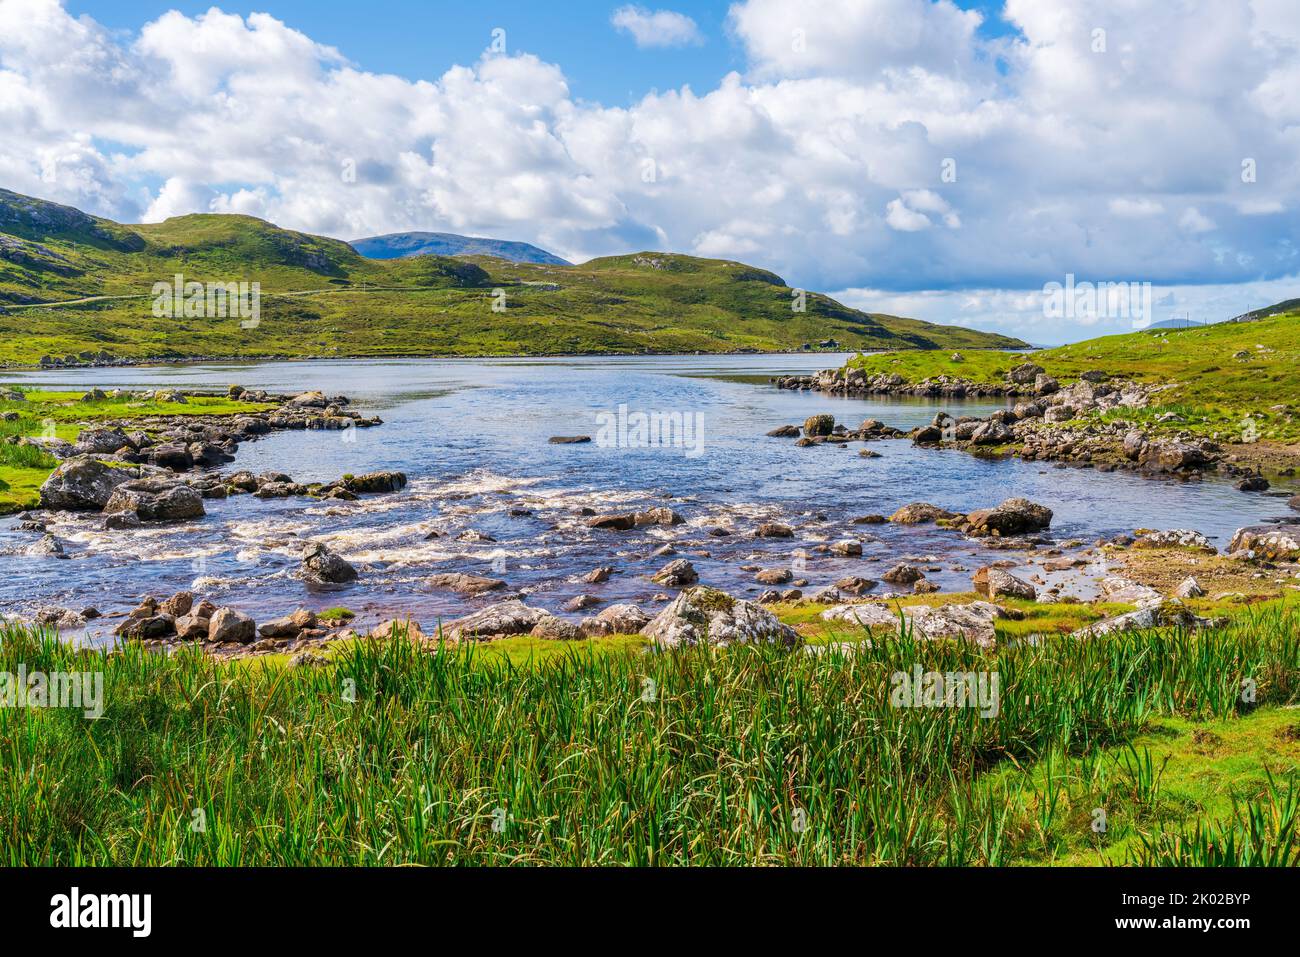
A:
<point x="1271" y="542"/>
<point x="706" y="615"/>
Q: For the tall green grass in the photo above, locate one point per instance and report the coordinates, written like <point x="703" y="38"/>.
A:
<point x="392" y="754"/>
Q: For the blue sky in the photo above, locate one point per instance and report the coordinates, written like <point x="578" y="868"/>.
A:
<point x="897" y="154"/>
<point x="419" y="39"/>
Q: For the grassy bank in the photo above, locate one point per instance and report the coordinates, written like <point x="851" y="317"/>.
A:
<point x="63" y="414"/>
<point x="1217" y="376"/>
<point x="605" y="754"/>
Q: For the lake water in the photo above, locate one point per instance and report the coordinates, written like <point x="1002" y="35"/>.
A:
<point x="471" y="435"/>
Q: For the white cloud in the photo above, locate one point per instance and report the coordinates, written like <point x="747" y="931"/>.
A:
<point x="891" y="152"/>
<point x="658" y="28"/>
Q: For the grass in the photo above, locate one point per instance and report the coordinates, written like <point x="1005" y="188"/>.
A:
<point x="320" y="298"/>
<point x="606" y="755"/>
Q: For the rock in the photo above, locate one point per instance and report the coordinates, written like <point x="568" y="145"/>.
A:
<point x="1171" y="456"/>
<point x="991" y="433"/>
<point x="598" y="575"/>
<point x="1271" y="542"/>
<point x="1189" y="588"/>
<point x="615" y="620"/>
<point x="1123" y="591"/>
<point x="1253" y="483"/>
<point x="311" y="400"/>
<point x="854" y="585"/>
<point x="101" y="441"/>
<point x="173" y="456"/>
<point x="398" y="628"/>
<point x="376" y="482"/>
<point x="1135" y="444"/>
<point x="924" y="586"/>
<point x="156" y="500"/>
<point x="555" y="629"/>
<point x="920" y="512"/>
<point x="869" y="520"/>
<point x="122" y="521"/>
<point x="290" y="626"/>
<point x="229" y="626"/>
<point x="1174" y="538"/>
<point x="678" y="573"/>
<point x="465" y="584"/>
<point x="785" y="432"/>
<point x="706" y="615"/>
<point x="569" y="439"/>
<point x="82" y="484"/>
<point x="903" y="574"/>
<point x="1013" y="517"/>
<point x="1161" y="614"/>
<point x="658" y="516"/>
<point x="1027" y="410"/>
<point x="503" y="618"/>
<point x="773" y="576"/>
<point x="47" y="547"/>
<point x="193" y="628"/>
<point x="1045" y="385"/>
<point x="774" y="530"/>
<point x="993" y="582"/>
<point x="581" y="602"/>
<point x="615" y="523"/>
<point x="972" y="622"/>
<point x="816" y="425"/>
<point x="322" y="565"/>
<point x="1025" y="373"/>
<point x="847" y="546"/>
<point x="179" y="604"/>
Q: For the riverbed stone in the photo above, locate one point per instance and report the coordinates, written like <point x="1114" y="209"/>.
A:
<point x="1013" y="517"/>
<point x="994" y="582"/>
<point x="82" y="484"/>
<point x="511" y="617"/>
<point x="322" y="565"/>
<point x="228" y="626"/>
<point x="464" y="584"/>
<point x="156" y="500"/>
<point x="678" y="573"/>
<point x="706" y="615"/>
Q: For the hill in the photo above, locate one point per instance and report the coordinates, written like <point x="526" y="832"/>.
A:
<point x="402" y="245"/>
<point x="1277" y="309"/>
<point x="76" y="288"/>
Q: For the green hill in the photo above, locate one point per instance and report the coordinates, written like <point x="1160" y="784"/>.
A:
<point x="73" y="285"/>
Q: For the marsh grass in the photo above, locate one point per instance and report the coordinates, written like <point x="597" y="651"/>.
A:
<point x="392" y="754"/>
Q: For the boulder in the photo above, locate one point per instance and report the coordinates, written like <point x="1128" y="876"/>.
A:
<point x="1123" y="591"/>
<point x="903" y="574"/>
<point x="920" y="512"/>
<point x="847" y="546"/>
<point x="1013" y="517"/>
<point x="228" y="626"/>
<point x="1025" y="373"/>
<point x="658" y="516"/>
<point x="972" y="622"/>
<point x="156" y="500"/>
<point x="1172" y="456"/>
<point x="376" y="482"/>
<point x="773" y="576"/>
<point x="47" y="547"/>
<point x="816" y="425"/>
<point x="173" y="456"/>
<point x="785" y="432"/>
<point x="773" y="530"/>
<point x="615" y="523"/>
<point x="397" y="628"/>
<point x="615" y="620"/>
<point x="101" y="441"/>
<point x="179" y="604"/>
<point x="465" y="584"/>
<point x="991" y="433"/>
<point x="1045" y="385"/>
<point x="706" y="615"/>
<point x="678" y="573"/>
<point x="82" y="484"/>
<point x="993" y="582"/>
<point x="1189" y="588"/>
<point x="322" y="565"/>
<point x="854" y="585"/>
<point x="598" y="576"/>
<point x="290" y="626"/>
<point x="1271" y="542"/>
<point x="1174" y="538"/>
<point x="1166" y="613"/>
<point x="503" y="618"/>
<point x="193" y="628"/>
<point x="554" y="628"/>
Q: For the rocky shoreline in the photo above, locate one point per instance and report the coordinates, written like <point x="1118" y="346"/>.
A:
<point x="1049" y="423"/>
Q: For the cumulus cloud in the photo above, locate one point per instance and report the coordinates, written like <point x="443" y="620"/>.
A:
<point x="877" y="145"/>
<point x="658" y="28"/>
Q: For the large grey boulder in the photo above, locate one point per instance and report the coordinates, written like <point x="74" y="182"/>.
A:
<point x="706" y="615"/>
<point x="1015" y="516"/>
<point x="82" y="484"/>
<point x="973" y="621"/>
<point x="101" y="441"/>
<point x="464" y="584"/>
<point x="678" y="573"/>
<point x="993" y="582"/>
<point x="322" y="565"/>
<point x="156" y="500"/>
<point x="503" y="618"/>
<point x="229" y="626"/>
<point x="1272" y="542"/>
<point x="615" y="620"/>
<point x="1169" y="613"/>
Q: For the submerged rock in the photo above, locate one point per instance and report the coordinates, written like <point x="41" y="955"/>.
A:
<point x="678" y="573"/>
<point x="465" y="584"/>
<point x="1015" y="516"/>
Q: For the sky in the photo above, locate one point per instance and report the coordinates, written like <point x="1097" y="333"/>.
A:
<point x="959" y="162"/>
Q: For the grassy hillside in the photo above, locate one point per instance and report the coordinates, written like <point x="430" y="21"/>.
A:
<point x="1217" y="375"/>
<point x="72" y="284"/>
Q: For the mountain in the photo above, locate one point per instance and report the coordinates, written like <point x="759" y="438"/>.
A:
<point x="401" y="245"/>
<point x="75" y="287"/>
<point x="1174" y="324"/>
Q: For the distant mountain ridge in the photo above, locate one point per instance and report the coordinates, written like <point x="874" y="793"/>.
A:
<point x="403" y="245"/>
